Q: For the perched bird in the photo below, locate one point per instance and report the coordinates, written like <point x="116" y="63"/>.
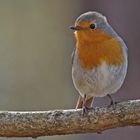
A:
<point x="99" y="60"/>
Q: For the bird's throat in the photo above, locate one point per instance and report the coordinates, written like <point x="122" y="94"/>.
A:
<point x="97" y="47"/>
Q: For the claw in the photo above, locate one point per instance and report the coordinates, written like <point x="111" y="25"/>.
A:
<point x="85" y="110"/>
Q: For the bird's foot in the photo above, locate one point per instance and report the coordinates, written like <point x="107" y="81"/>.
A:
<point x="85" y="110"/>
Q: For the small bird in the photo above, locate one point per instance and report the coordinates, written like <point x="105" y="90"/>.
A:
<point x="99" y="60"/>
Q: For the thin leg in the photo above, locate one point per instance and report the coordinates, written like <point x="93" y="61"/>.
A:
<point x="112" y="103"/>
<point x="85" y="108"/>
<point x="89" y="102"/>
<point x="79" y="102"/>
<point x="111" y="100"/>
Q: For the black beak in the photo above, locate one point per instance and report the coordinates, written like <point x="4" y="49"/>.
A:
<point x="75" y="28"/>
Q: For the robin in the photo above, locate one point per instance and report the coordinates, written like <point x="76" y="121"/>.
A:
<point x="99" y="60"/>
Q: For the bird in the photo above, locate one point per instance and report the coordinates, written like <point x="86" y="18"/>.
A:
<point x="99" y="59"/>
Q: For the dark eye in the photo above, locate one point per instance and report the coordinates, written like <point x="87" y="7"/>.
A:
<point x="92" y="26"/>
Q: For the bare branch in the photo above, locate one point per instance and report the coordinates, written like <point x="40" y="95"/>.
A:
<point x="62" y="122"/>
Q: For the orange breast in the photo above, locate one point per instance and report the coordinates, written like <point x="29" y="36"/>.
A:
<point x="95" y="47"/>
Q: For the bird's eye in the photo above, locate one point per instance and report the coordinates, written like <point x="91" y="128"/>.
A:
<point x="92" y="26"/>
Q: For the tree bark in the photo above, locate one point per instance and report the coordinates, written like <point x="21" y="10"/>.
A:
<point x="62" y="122"/>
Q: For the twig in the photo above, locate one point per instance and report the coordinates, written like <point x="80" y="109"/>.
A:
<point x="62" y="122"/>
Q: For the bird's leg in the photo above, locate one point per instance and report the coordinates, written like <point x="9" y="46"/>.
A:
<point x="85" y="108"/>
<point x="79" y="102"/>
<point x="112" y="103"/>
<point x="111" y="99"/>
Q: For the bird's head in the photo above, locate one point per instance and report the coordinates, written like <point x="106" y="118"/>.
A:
<point x="90" y="26"/>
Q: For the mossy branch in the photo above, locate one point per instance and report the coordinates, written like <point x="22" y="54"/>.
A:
<point x="62" y="122"/>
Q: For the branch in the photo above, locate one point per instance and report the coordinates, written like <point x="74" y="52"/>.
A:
<point x="62" y="122"/>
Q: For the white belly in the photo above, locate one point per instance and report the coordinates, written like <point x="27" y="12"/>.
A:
<point x="100" y="81"/>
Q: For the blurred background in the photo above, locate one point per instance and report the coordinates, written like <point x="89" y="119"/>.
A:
<point x="35" y="49"/>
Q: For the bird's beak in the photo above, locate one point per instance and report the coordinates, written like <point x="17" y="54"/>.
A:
<point x="75" y="28"/>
